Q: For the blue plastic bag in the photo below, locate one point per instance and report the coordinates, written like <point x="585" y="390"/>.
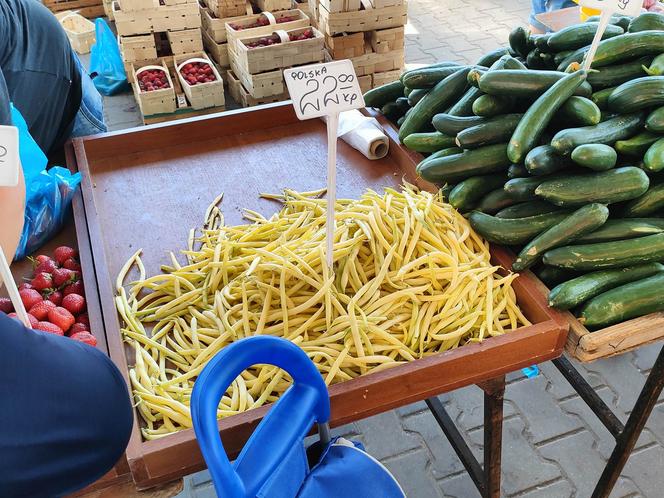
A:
<point x="106" y="62"/>
<point x="48" y="194"/>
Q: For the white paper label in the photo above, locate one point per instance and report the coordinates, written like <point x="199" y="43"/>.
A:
<point x="9" y="160"/>
<point x="627" y="7"/>
<point x="323" y="89"/>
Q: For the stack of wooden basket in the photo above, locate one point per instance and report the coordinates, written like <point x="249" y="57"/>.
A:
<point x="164" y="33"/>
<point x="368" y="32"/>
<point x="87" y="8"/>
<point x="256" y="75"/>
<point x="214" y="16"/>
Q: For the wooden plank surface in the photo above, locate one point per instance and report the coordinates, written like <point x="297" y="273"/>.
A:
<point x="146" y="188"/>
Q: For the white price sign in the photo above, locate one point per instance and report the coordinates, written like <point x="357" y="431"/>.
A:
<point x="325" y="90"/>
<point x="9" y="161"/>
<point x="627" y="7"/>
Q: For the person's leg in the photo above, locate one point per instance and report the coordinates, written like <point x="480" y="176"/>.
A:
<point x="90" y="117"/>
<point x="537" y="7"/>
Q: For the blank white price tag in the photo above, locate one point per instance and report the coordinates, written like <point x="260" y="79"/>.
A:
<point x="9" y="159"/>
<point x="324" y="89"/>
<point x="627" y="7"/>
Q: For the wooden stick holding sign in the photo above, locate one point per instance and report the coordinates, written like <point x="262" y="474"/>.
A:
<point x="608" y="8"/>
<point x="9" y="165"/>
<point x="326" y="90"/>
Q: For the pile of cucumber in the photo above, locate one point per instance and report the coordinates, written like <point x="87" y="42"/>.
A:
<point x="566" y="166"/>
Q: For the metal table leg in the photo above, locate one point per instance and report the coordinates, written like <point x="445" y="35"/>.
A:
<point x="487" y="478"/>
<point x="626" y="436"/>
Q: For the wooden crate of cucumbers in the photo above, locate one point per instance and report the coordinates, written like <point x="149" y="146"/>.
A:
<point x="562" y="165"/>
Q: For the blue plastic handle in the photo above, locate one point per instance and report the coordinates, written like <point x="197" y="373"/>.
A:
<point x="286" y="424"/>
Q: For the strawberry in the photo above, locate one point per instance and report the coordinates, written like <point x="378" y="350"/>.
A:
<point x="42" y="281"/>
<point x="63" y="253"/>
<point x="74" y="303"/>
<point x="75" y="288"/>
<point x="48" y="266"/>
<point x="49" y="327"/>
<point x="30" y="297"/>
<point x="6" y="305"/>
<point x="72" y="264"/>
<point x="40" y="310"/>
<point x="55" y="297"/>
<point x="62" y="277"/>
<point x="24" y="285"/>
<point x="83" y="318"/>
<point x="41" y="258"/>
<point x="61" y="317"/>
<point x="85" y="337"/>
<point x="78" y="327"/>
<point x="33" y="321"/>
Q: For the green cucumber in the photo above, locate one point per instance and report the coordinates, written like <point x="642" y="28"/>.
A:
<point x="461" y="166"/>
<point x="392" y="111"/>
<point x="518" y="40"/>
<point x="428" y="142"/>
<point x="620" y="230"/>
<point x="441" y="153"/>
<point x="526" y="209"/>
<point x="575" y="292"/>
<point x="401" y="120"/>
<point x="598" y="157"/>
<point x="438" y="99"/>
<point x="654" y="158"/>
<point x="494" y="201"/>
<point x="492" y="105"/>
<point x="427" y="77"/>
<point x="582" y="221"/>
<point x="517" y="171"/>
<point x="515" y="231"/>
<point x="416" y="95"/>
<point x="528" y="83"/>
<point x="601" y="98"/>
<point x="615" y="185"/>
<point x="540" y="41"/>
<point x="606" y="132"/>
<point x="656" y="67"/>
<point x="513" y="63"/>
<point x="576" y="56"/>
<point x="552" y="275"/>
<point x="534" y="60"/>
<point x="655" y="121"/>
<point x="616" y="20"/>
<point x="445" y="191"/>
<point x="627" y="47"/>
<point x="523" y="189"/>
<point x="494" y="130"/>
<point x="637" y="145"/>
<point x="403" y="104"/>
<point x="617" y="254"/>
<point x="488" y="59"/>
<point x="637" y="94"/>
<point x="579" y="35"/>
<point x="407" y="91"/>
<point x="383" y="94"/>
<point x="560" y="56"/>
<point x="539" y="115"/>
<point x="610" y="76"/>
<point x="474" y="76"/>
<point x="649" y="203"/>
<point x="464" y="106"/>
<point x="625" y="302"/>
<point x="451" y="125"/>
<point x="544" y="159"/>
<point x="580" y="111"/>
<point x="466" y="193"/>
<point x="646" y="22"/>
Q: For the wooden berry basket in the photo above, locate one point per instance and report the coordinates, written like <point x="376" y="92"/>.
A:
<point x="137" y="47"/>
<point x="80" y="31"/>
<point x="157" y="101"/>
<point x="260" y="85"/>
<point x="186" y="41"/>
<point x="387" y="40"/>
<point x="280" y="55"/>
<point x="201" y="95"/>
<point x="215" y="27"/>
<point x="232" y="34"/>
<point x="192" y="161"/>
<point x="228" y="8"/>
<point x="272" y="5"/>
<point x="377" y="63"/>
<point x="159" y="19"/>
<point x="367" y="19"/>
<point x="87" y="8"/>
<point x="366" y="82"/>
<point x="244" y="98"/>
<point x="385" y="77"/>
<point x="345" y="45"/>
<point x="137" y="5"/>
<point x="218" y="51"/>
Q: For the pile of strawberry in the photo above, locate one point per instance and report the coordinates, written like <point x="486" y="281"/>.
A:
<point x="54" y="297"/>
<point x="198" y="72"/>
<point x="152" y="79"/>
<point x="274" y="39"/>
<point x="262" y="21"/>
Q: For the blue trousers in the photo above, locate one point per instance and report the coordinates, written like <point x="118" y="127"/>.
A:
<point x="541" y="6"/>
<point x="66" y="414"/>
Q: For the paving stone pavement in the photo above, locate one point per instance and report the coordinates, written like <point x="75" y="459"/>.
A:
<point x="553" y="446"/>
